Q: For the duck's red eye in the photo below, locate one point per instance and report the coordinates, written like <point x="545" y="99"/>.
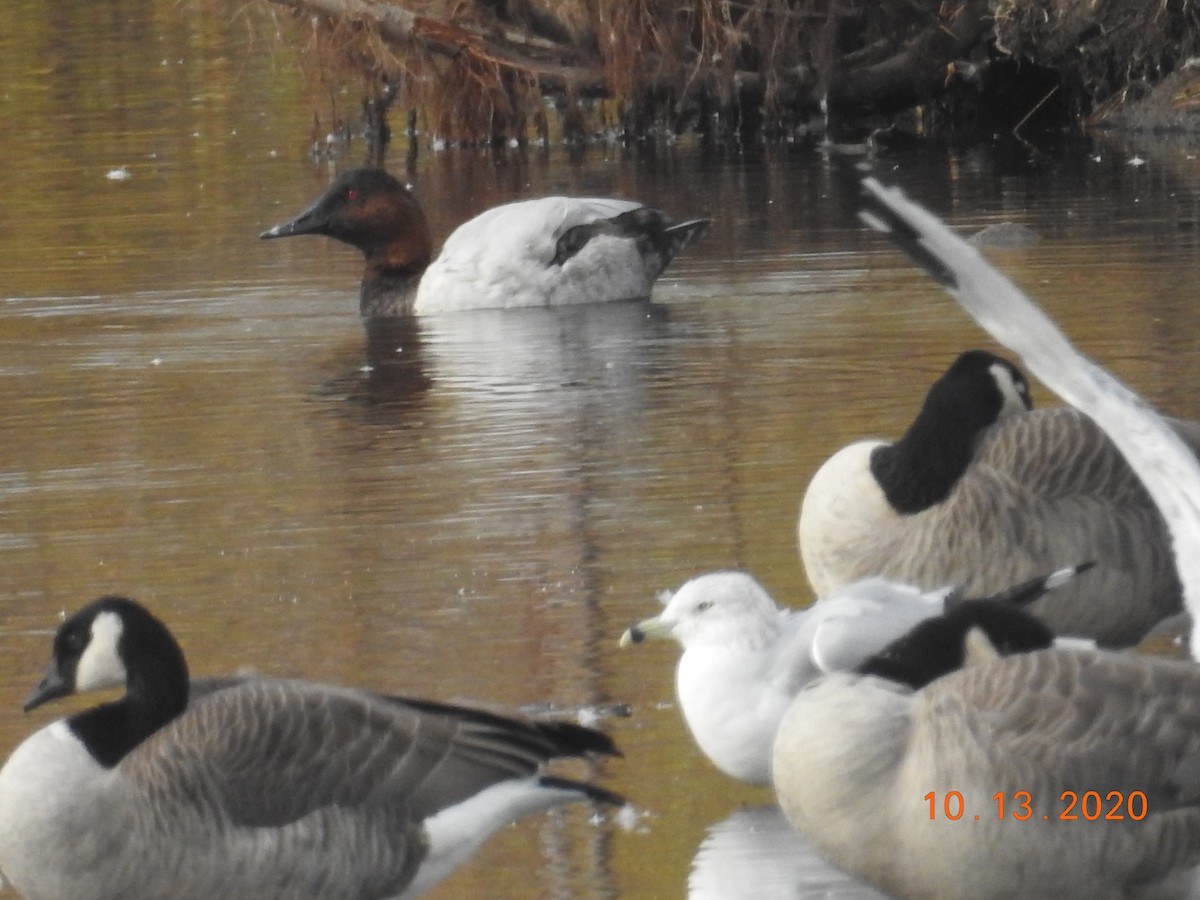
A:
<point x="352" y="194"/>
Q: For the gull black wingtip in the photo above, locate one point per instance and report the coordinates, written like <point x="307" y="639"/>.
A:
<point x="1026" y="592"/>
<point x="887" y="210"/>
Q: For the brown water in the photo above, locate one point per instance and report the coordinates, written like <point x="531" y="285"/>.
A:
<point x="196" y="418"/>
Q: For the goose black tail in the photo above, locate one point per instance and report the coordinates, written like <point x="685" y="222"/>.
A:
<point x="589" y="791"/>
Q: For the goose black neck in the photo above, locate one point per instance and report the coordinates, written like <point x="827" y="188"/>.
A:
<point x="156" y="692"/>
<point x="921" y="469"/>
<point x="938" y="646"/>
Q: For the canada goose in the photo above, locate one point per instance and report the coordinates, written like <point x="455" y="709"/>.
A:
<point x="548" y="251"/>
<point x="1157" y="449"/>
<point x="1093" y="754"/>
<point x="995" y="780"/>
<point x="982" y="491"/>
<point x="744" y="658"/>
<point x="256" y="788"/>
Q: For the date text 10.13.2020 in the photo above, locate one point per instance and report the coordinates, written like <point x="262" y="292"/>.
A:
<point x="1090" y="806"/>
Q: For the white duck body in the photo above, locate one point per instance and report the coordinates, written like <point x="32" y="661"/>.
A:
<point x="504" y="258"/>
<point x="857" y="755"/>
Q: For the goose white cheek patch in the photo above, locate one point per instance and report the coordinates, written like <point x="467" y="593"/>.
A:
<point x="1014" y="399"/>
<point x="100" y="664"/>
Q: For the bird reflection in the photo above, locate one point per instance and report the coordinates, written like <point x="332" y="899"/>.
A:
<point x="507" y="350"/>
<point x="755" y="855"/>
<point x="396" y="370"/>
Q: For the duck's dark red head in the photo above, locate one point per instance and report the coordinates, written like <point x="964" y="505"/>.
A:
<point x="372" y="211"/>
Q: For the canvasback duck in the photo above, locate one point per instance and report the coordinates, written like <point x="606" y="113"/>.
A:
<point x="551" y="251"/>
<point x="744" y="658"/>
<point x="256" y="787"/>
<point x="981" y="492"/>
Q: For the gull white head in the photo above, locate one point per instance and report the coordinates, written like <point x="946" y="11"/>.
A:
<point x="719" y="608"/>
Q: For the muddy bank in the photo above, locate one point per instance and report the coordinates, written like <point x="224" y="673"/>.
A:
<point x="487" y="70"/>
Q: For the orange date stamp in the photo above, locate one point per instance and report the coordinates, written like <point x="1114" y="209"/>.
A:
<point x="1091" y="806"/>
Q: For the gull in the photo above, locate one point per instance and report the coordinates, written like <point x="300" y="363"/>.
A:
<point x="744" y="658"/>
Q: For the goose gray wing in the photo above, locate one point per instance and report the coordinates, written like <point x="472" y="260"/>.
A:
<point x="1039" y="732"/>
<point x="270" y="752"/>
<point x="1051" y="488"/>
<point x="1061" y="452"/>
<point x="1058" y="452"/>
<point x="1058" y="720"/>
<point x="464" y="751"/>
